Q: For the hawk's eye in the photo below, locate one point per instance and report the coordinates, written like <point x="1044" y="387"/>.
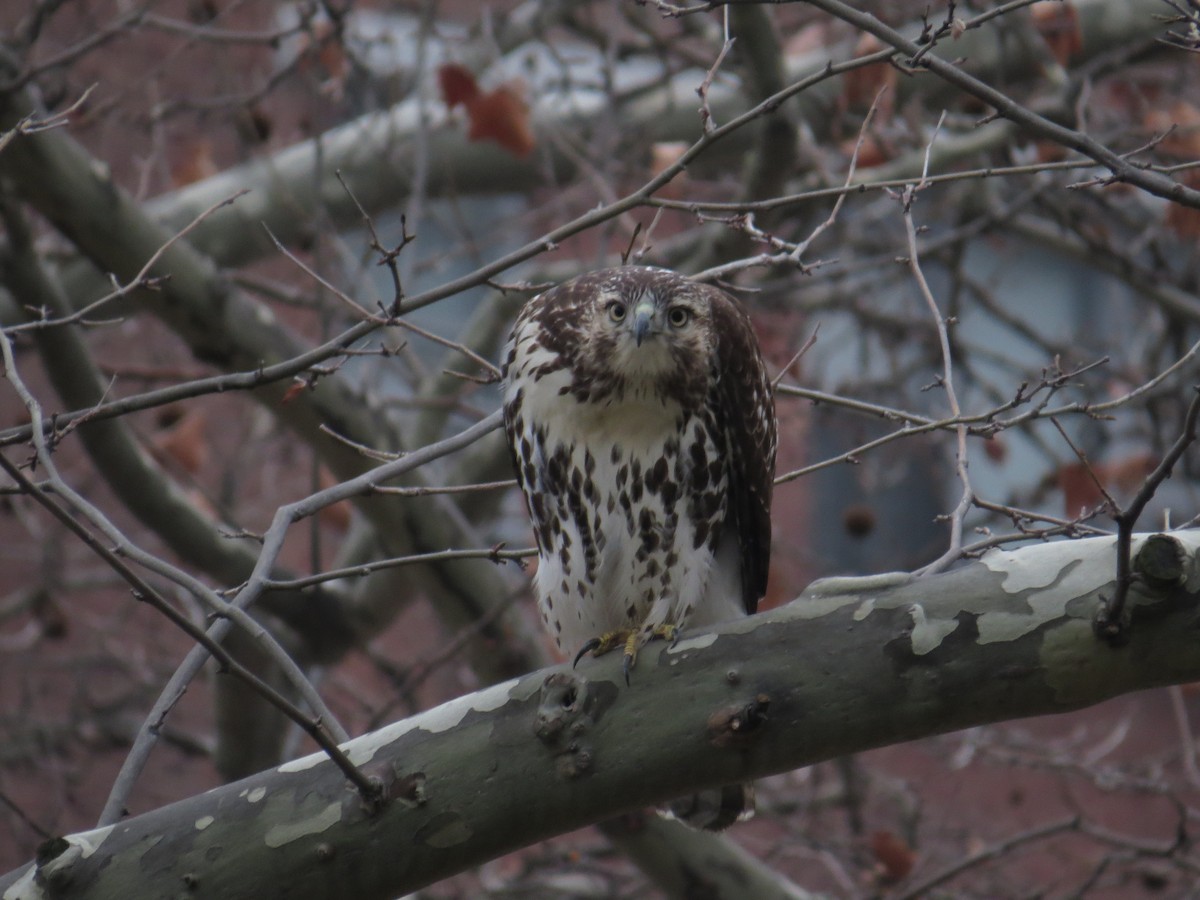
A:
<point x="679" y="316"/>
<point x="616" y="311"/>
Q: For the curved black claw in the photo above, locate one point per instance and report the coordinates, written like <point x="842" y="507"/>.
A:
<point x="587" y="648"/>
<point x="627" y="665"/>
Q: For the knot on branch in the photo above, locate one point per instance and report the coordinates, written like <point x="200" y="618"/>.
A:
<point x="566" y="713"/>
<point x="1161" y="562"/>
<point x="734" y="726"/>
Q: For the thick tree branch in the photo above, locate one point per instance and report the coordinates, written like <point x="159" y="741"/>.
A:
<point x="851" y="664"/>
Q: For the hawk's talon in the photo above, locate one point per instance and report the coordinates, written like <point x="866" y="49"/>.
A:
<point x="610" y="640"/>
<point x="587" y="648"/>
<point x="631" y="640"/>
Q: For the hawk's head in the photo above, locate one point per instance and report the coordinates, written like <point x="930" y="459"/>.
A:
<point x="644" y="330"/>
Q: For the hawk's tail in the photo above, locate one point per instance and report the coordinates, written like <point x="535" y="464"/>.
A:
<point x="715" y="809"/>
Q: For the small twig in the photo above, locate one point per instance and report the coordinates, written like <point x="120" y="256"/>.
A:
<point x="32" y="124"/>
<point x="1111" y="621"/>
<point x="492" y="554"/>
<point x="386" y="257"/>
<point x="706" y="117"/>
<point x="802" y="246"/>
<point x="446" y="489"/>
<point x="24" y="817"/>
<point x="960" y="510"/>
<point x="628" y="251"/>
<point x="452" y="345"/>
<point x="1018" y="515"/>
<point x="409" y="679"/>
<point x="989" y="853"/>
<point x="141" y="280"/>
<point x="646" y="235"/>
<point x="1110" y="503"/>
<point x="797" y="356"/>
<point x="288" y="514"/>
<point x="359" y="311"/>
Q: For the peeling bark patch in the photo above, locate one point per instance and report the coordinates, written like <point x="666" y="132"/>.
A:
<point x="279" y="835"/>
<point x="71" y="849"/>
<point x="928" y="634"/>
<point x="828" y="595"/>
<point x="815" y="606"/>
<point x="24" y="887"/>
<point x="203" y="822"/>
<point x="995" y="627"/>
<point x="90" y="841"/>
<point x="1054" y="574"/>
<point x="441" y="718"/>
<point x="1042" y="565"/>
<point x="444" y="830"/>
<point x="304" y="762"/>
<point x="449" y="715"/>
<point x="699" y="642"/>
<point x="1089" y="569"/>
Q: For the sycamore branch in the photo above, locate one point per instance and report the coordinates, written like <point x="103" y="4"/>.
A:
<point x="851" y="664"/>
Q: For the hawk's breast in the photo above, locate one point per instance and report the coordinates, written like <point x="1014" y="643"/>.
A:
<point x="627" y="498"/>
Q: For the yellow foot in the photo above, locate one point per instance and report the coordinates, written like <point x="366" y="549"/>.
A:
<point x="631" y="640"/>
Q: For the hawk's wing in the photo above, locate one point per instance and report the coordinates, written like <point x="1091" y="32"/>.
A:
<point x="745" y="407"/>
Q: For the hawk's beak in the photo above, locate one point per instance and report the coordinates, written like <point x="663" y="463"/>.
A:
<point x="643" y="318"/>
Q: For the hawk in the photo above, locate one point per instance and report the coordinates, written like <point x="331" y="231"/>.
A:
<point x="642" y="427"/>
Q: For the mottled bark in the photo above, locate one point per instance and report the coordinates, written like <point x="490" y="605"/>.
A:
<point x="851" y="664"/>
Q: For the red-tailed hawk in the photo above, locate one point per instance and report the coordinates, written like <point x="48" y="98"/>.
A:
<point x="642" y="426"/>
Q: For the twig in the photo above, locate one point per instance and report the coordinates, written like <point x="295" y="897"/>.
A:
<point x="802" y="246"/>
<point x="989" y="853"/>
<point x="32" y="124"/>
<point x="1109" y="502"/>
<point x="289" y="514"/>
<point x="493" y="554"/>
<point x="797" y="356"/>
<point x="386" y="257"/>
<point x="141" y="280"/>
<point x="446" y="488"/>
<point x="359" y="311"/>
<point x="24" y="817"/>
<point x="706" y="117"/>
<point x="954" y="551"/>
<point x="1111" y="620"/>
<point x="466" y="351"/>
